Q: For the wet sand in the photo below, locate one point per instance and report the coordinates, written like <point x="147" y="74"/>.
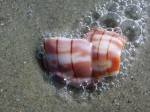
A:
<point x="23" y="86"/>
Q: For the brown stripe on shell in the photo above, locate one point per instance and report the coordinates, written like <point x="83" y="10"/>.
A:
<point x="91" y="38"/>
<point x="57" y="42"/>
<point x="100" y="39"/>
<point x="97" y="55"/>
<point x="110" y="41"/>
<point x="71" y="58"/>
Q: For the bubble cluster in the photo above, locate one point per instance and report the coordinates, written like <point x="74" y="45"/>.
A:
<point x="126" y="15"/>
<point x="123" y="17"/>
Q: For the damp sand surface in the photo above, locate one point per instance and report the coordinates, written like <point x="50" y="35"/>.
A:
<point x="24" y="87"/>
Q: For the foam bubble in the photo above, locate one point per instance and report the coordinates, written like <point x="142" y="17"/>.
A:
<point x="111" y="19"/>
<point x="133" y="12"/>
<point x="112" y="6"/>
<point x="96" y="15"/>
<point x="131" y="29"/>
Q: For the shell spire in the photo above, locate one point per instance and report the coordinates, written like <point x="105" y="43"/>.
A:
<point x="106" y="51"/>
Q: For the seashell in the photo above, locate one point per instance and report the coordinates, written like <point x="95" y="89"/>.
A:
<point x="84" y="61"/>
<point x="106" y="51"/>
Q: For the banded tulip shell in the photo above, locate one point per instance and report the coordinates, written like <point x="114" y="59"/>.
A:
<point x="84" y="61"/>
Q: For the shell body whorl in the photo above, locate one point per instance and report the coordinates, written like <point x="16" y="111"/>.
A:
<point x="70" y="58"/>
